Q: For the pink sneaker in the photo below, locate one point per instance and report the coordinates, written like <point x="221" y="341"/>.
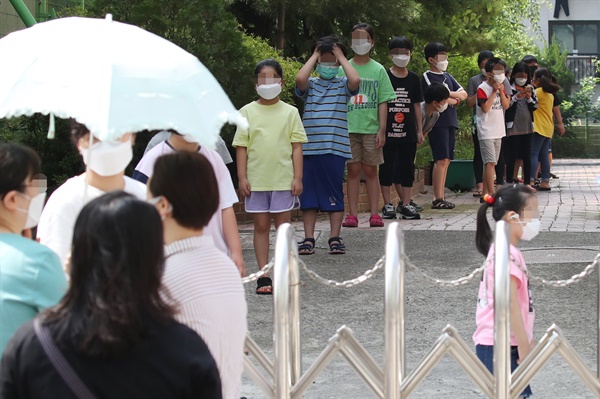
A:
<point x="351" y="221"/>
<point x="376" y="221"/>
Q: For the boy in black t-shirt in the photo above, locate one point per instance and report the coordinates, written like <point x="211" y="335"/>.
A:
<point x="403" y="132"/>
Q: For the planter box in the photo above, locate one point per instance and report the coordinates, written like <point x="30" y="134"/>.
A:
<point x="460" y="175"/>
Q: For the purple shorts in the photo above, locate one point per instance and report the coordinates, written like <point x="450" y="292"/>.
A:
<point x="271" y="201"/>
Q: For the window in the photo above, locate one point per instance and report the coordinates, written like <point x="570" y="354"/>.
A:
<point x="577" y="37"/>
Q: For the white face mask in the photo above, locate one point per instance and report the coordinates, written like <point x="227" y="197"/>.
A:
<point x="530" y="229"/>
<point x="361" y="48"/>
<point x="269" y="92"/>
<point x="442" y="107"/>
<point x="107" y="159"/>
<point x="401" y="60"/>
<point x="521" y="81"/>
<point x="34" y="210"/>
<point x="442" y="65"/>
<point x="499" y="78"/>
<point x="483" y="72"/>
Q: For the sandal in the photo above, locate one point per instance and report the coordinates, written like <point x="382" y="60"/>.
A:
<point x="477" y="193"/>
<point x="336" y="246"/>
<point x="306" y="247"/>
<point x="264" y="286"/>
<point x="376" y="221"/>
<point x="351" y="221"/>
<point x="442" y="204"/>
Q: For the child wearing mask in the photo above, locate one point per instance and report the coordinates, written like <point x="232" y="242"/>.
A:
<point x="105" y="171"/>
<point x="492" y="101"/>
<point x="443" y="135"/>
<point x="436" y="97"/>
<point x="269" y="160"/>
<point x="367" y="122"/>
<point x="404" y="132"/>
<point x="328" y="147"/>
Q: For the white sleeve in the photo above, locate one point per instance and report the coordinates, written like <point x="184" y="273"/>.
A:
<point x="55" y="230"/>
<point x="227" y="195"/>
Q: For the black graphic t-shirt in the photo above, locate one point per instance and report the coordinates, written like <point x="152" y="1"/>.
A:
<point x="401" y="121"/>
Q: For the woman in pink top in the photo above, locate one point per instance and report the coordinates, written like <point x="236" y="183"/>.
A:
<point x="517" y="205"/>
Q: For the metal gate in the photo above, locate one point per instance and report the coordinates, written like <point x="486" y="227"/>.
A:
<point x="285" y="379"/>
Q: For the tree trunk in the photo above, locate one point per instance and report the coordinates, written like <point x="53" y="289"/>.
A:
<point x="280" y="26"/>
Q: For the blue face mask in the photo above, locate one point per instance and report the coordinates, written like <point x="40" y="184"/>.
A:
<point x="327" y="70"/>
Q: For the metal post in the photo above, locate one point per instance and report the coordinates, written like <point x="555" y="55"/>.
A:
<point x="394" y="356"/>
<point x="598" y="320"/>
<point x="501" y="311"/>
<point x="23" y="12"/>
<point x="294" y="272"/>
<point x="281" y="317"/>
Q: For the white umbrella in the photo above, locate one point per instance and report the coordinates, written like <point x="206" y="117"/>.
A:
<point x="112" y="77"/>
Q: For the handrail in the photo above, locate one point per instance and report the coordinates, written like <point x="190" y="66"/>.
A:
<point x="23" y="12"/>
<point x="501" y="311"/>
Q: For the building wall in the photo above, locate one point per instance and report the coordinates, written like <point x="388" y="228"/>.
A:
<point x="580" y="10"/>
<point x="9" y="19"/>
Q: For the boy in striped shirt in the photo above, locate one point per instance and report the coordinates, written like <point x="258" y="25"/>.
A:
<point x="328" y="147"/>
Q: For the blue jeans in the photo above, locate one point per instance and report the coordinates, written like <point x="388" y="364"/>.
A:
<point x="539" y="152"/>
<point x="485" y="353"/>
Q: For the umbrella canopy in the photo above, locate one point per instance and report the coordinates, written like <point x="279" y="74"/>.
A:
<point x="115" y="78"/>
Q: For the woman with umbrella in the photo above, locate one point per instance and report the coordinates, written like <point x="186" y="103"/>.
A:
<point x="106" y="162"/>
<point x="113" y="334"/>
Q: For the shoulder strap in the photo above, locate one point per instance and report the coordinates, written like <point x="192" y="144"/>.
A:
<point x="60" y="363"/>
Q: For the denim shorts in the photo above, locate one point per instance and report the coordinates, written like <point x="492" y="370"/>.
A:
<point x="485" y="353"/>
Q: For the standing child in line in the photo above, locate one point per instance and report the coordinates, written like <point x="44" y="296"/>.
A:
<point x="546" y="87"/>
<point x="326" y="98"/>
<point x="269" y="160"/>
<point x="404" y="132"/>
<point x="367" y="122"/>
<point x="492" y="100"/>
<point x="517" y="205"/>
<point x="443" y="135"/>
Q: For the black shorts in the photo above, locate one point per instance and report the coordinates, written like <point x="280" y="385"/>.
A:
<point x="398" y="164"/>
<point x="441" y="141"/>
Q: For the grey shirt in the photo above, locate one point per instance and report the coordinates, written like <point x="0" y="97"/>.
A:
<point x="428" y="120"/>
<point x="221" y="147"/>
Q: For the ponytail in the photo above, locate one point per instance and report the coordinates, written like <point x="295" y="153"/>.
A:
<point x="547" y="81"/>
<point x="483" y="236"/>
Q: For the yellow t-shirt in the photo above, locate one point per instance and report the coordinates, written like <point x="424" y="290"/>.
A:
<point x="542" y="116"/>
<point x="273" y="129"/>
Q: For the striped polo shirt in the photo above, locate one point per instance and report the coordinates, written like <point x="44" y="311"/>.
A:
<point x="207" y="288"/>
<point x="325" y="116"/>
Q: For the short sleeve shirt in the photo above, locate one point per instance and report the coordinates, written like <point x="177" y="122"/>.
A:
<point x="325" y="116"/>
<point x="375" y="88"/>
<point x="490" y="125"/>
<point x="227" y="196"/>
<point x="542" y="116"/>
<point x="272" y="130"/>
<point x="449" y="116"/>
<point x="401" y="121"/>
<point x="428" y="120"/>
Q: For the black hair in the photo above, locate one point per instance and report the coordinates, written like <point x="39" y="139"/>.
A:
<point x="187" y="180"/>
<point x="529" y="59"/>
<point x="484" y="55"/>
<point x="492" y="62"/>
<point x="520" y="67"/>
<point x="116" y="294"/>
<point x="400" y="42"/>
<point x="432" y="49"/>
<point x="507" y="198"/>
<point x="325" y="45"/>
<point x="366" y="27"/>
<point x="436" y="92"/>
<point x="547" y="81"/>
<point x="78" y="131"/>
<point x="269" y="63"/>
<point x="17" y="164"/>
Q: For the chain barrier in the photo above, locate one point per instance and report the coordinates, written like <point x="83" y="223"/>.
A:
<point x="255" y="276"/>
<point x="347" y="283"/>
<point x="574" y="279"/>
<point x="445" y="283"/>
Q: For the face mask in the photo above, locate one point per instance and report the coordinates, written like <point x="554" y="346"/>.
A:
<point x="499" y="78"/>
<point x="327" y="71"/>
<point x="34" y="210"/>
<point x="190" y="139"/>
<point x="269" y="92"/>
<point x="361" y="49"/>
<point x="442" y="107"/>
<point x="442" y="65"/>
<point x="107" y="159"/>
<point x="401" y="60"/>
<point x="156" y="200"/>
<point x="483" y="72"/>
<point x="530" y="229"/>
<point x="521" y="81"/>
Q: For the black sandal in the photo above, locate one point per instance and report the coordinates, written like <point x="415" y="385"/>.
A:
<point x="264" y="282"/>
<point x="336" y="246"/>
<point x="306" y="247"/>
<point x="441" y="204"/>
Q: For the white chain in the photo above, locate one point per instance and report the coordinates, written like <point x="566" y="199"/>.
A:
<point x="445" y="283"/>
<point x="259" y="274"/>
<point x="348" y="283"/>
<point x="574" y="279"/>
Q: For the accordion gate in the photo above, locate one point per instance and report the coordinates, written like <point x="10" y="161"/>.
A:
<point x="285" y="380"/>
